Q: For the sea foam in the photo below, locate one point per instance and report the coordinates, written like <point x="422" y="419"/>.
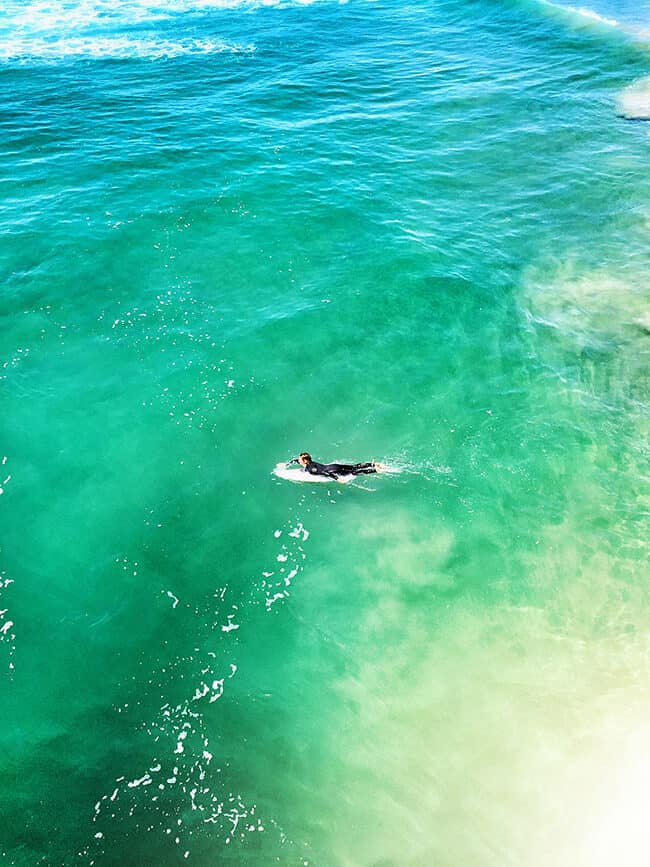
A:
<point x="582" y="12"/>
<point x="634" y="23"/>
<point x="55" y="30"/>
<point x="23" y="49"/>
<point x="55" y="16"/>
<point x="634" y="100"/>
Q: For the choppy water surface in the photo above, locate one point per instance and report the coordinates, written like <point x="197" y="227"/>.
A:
<point x="233" y="231"/>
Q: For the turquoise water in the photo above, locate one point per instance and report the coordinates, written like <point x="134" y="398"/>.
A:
<point x="412" y="232"/>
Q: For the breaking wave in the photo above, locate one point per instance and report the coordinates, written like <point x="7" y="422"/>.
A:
<point x="115" y="47"/>
<point x="634" y="100"/>
<point x="52" y="30"/>
<point x="634" y="22"/>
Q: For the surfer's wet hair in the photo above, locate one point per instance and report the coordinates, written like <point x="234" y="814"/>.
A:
<point x="306" y="456"/>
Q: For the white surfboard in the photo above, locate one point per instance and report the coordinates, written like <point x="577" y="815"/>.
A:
<point x="297" y="474"/>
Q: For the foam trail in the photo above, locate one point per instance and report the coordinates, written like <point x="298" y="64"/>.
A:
<point x="429" y="470"/>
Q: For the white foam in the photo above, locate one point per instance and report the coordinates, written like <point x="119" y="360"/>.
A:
<point x="299" y="532"/>
<point x="589" y="13"/>
<point x="52" y="30"/>
<point x="111" y="47"/>
<point x="583" y="12"/>
<point x="634" y="101"/>
<point x="631" y="22"/>
<point x="139" y="782"/>
<point x="50" y="17"/>
<point x="230" y="626"/>
<point x="175" y="598"/>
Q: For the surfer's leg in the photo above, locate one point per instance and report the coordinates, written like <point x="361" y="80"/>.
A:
<point x="364" y="469"/>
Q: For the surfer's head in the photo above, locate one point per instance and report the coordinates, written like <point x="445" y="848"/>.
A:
<point x="304" y="458"/>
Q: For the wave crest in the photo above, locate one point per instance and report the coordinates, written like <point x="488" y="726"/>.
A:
<point x="52" y="16"/>
<point x="635" y="25"/>
<point x="582" y="12"/>
<point x="634" y="100"/>
<point x="112" y="47"/>
<point x="51" y="30"/>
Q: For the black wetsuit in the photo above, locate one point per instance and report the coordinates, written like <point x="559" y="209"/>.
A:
<point x="336" y="470"/>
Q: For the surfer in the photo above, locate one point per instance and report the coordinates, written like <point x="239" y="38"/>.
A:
<point x="333" y="471"/>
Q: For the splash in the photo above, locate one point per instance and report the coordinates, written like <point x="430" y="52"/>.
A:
<point x="634" y="100"/>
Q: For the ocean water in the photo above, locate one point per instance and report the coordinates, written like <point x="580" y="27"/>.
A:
<point x="416" y="232"/>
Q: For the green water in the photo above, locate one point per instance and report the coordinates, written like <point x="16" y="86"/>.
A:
<point x="415" y="233"/>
